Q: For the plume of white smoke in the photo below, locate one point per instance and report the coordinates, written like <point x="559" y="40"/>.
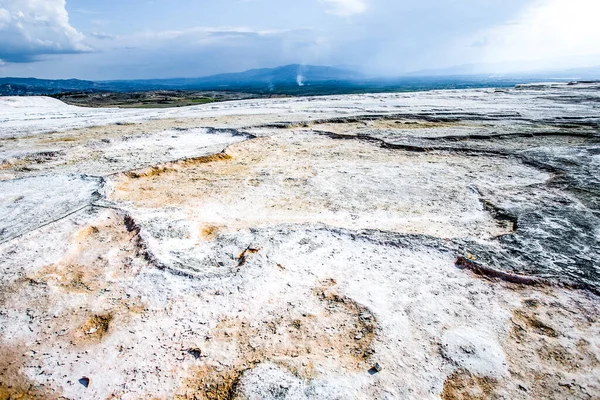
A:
<point x="300" y="80"/>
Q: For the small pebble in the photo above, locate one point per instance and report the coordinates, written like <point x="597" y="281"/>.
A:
<point x="85" y="381"/>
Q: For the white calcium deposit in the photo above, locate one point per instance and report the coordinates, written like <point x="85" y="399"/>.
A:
<point x="364" y="246"/>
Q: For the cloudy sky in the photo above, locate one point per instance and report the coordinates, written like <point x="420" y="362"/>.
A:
<point x="117" y="39"/>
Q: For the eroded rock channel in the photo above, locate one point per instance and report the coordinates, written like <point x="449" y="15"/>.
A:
<point x="426" y="245"/>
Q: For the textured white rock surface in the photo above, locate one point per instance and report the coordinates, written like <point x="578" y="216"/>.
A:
<point x="25" y="116"/>
<point x="29" y="203"/>
<point x="281" y="248"/>
<point x="477" y="351"/>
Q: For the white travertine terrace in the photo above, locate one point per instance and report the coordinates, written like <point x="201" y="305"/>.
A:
<point x="281" y="248"/>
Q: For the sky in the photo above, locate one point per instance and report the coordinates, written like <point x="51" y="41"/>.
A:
<point x="140" y="39"/>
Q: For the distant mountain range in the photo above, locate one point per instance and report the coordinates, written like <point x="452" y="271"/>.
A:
<point x="267" y="79"/>
<point x="290" y="79"/>
<point x="33" y="86"/>
<point x="297" y="75"/>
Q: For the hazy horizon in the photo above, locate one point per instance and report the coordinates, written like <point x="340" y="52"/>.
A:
<point x="140" y="39"/>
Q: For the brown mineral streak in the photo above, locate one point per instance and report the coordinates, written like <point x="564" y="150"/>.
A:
<point x="296" y="342"/>
<point x="178" y="165"/>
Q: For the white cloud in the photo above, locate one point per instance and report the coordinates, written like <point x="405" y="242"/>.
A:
<point x="199" y="35"/>
<point x="103" y="35"/>
<point x="546" y="30"/>
<point x="29" y="28"/>
<point x="346" y="8"/>
<point x="4" y="18"/>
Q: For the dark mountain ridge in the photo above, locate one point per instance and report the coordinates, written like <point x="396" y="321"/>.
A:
<point x="255" y="79"/>
<point x="292" y="79"/>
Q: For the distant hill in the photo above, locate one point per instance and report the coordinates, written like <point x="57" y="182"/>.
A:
<point x="298" y="80"/>
<point x="297" y="75"/>
<point x="33" y="86"/>
<point x="253" y="80"/>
